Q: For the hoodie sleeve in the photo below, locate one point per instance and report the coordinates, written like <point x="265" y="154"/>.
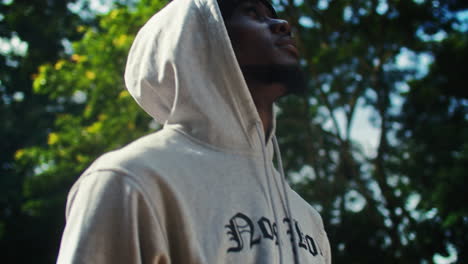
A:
<point x="110" y="221"/>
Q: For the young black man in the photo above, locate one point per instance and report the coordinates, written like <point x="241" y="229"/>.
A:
<point x="203" y="189"/>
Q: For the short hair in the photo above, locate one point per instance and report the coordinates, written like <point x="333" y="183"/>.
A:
<point x="227" y="7"/>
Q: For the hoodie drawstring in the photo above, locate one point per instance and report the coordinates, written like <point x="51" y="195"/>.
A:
<point x="285" y="193"/>
<point x="286" y="196"/>
<point x="265" y="165"/>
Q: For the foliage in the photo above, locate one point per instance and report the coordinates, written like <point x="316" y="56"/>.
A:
<point x="31" y="34"/>
<point x="100" y="114"/>
<point x="435" y="136"/>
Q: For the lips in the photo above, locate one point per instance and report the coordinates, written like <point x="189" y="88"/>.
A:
<point x="289" y="44"/>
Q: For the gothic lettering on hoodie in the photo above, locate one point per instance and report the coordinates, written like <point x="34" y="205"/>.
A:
<point x="301" y="238"/>
<point x="238" y="225"/>
<point x="269" y="231"/>
<point x="243" y="231"/>
<point x="305" y="241"/>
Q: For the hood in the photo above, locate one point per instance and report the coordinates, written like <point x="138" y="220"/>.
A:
<point x="182" y="70"/>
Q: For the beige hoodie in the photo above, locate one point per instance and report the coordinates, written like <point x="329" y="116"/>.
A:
<point x="203" y="189"/>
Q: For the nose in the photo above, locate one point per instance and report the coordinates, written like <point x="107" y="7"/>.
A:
<point x="280" y="26"/>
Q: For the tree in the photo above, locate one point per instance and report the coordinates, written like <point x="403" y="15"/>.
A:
<point x="435" y="135"/>
<point x="33" y="33"/>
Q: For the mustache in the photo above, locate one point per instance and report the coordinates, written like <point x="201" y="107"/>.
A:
<point x="292" y="76"/>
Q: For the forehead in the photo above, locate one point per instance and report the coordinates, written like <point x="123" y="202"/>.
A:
<point x="264" y="2"/>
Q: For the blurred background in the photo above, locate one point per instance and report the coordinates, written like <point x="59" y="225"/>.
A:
<point x="378" y="145"/>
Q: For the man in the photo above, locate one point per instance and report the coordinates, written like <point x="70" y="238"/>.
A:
<point x="203" y="189"/>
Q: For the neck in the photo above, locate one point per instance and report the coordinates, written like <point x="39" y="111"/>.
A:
<point x="264" y="95"/>
<point x="267" y="83"/>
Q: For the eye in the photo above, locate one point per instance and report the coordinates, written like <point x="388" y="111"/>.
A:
<point x="253" y="11"/>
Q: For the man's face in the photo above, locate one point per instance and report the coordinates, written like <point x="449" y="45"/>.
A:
<point x="259" y="38"/>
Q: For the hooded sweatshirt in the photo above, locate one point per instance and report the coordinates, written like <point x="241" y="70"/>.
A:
<point x="203" y="189"/>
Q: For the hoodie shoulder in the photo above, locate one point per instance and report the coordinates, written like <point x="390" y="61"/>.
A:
<point x="142" y="156"/>
<point x="310" y="211"/>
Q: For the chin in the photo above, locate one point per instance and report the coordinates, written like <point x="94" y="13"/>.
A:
<point x="286" y="61"/>
<point x="294" y="79"/>
<point x="288" y="74"/>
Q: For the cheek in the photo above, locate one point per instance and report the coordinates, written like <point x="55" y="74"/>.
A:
<point x="252" y="44"/>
